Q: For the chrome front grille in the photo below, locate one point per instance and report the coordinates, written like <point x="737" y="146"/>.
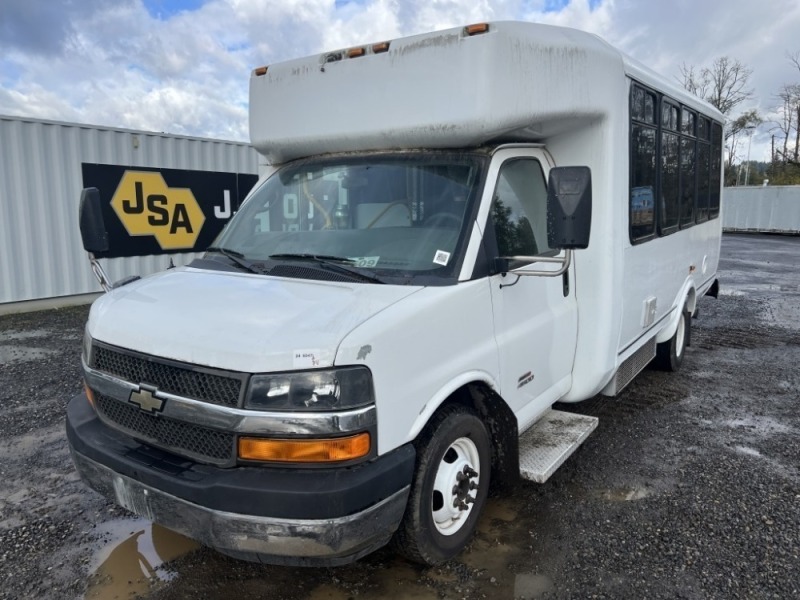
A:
<point x="172" y="378"/>
<point x="195" y="442"/>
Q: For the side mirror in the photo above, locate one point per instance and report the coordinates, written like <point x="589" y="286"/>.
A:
<point x="569" y="207"/>
<point x="93" y="228"/>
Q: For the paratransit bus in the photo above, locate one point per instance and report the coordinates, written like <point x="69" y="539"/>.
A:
<point x="455" y="231"/>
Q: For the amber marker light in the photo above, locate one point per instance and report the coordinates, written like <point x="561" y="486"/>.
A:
<point x="258" y="72"/>
<point x="476" y="28"/>
<point x="305" y="451"/>
<point x="380" y="47"/>
<point x="89" y="393"/>
<point x="355" y="52"/>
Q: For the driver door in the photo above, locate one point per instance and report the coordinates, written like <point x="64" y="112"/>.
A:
<point x="535" y="317"/>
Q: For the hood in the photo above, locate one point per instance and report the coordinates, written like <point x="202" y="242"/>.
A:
<point x="237" y="321"/>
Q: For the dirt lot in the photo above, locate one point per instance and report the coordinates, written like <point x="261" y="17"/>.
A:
<point x="690" y="487"/>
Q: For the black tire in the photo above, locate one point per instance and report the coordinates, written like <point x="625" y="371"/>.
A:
<point x="453" y="446"/>
<point x="669" y="355"/>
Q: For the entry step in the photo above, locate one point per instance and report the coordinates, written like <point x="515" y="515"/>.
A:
<point x="546" y="445"/>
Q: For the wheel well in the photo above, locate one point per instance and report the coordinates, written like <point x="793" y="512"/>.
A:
<point x="691" y="301"/>
<point x="502" y="425"/>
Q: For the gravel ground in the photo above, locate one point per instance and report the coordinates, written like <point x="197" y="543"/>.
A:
<point x="689" y="488"/>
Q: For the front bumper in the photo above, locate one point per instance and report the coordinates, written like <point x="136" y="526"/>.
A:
<point x="275" y="515"/>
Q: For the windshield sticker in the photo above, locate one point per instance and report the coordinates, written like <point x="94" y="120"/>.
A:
<point x="364" y="261"/>
<point x="441" y="258"/>
<point x="304" y="359"/>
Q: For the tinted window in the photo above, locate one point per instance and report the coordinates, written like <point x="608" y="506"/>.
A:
<point x="716" y="166"/>
<point x="703" y="128"/>
<point x="703" y="172"/>
<point x="688" y="182"/>
<point x="669" y="117"/>
<point x="670" y="182"/>
<point x="675" y="160"/>
<point x="688" y="119"/>
<point x="643" y="181"/>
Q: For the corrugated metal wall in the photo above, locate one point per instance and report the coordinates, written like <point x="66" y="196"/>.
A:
<point x="41" y="255"/>
<point x="767" y="209"/>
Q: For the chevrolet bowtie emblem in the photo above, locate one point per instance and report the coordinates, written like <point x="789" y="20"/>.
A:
<point x="145" y="400"/>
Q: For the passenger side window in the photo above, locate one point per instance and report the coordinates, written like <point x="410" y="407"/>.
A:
<point x="519" y="210"/>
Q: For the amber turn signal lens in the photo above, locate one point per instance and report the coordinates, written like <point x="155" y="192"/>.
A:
<point x="260" y="71"/>
<point x="477" y="28"/>
<point x="89" y="393"/>
<point x="305" y="451"/>
<point x="354" y="52"/>
<point x="380" y="47"/>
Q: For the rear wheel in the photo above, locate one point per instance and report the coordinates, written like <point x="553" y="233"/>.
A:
<point x="449" y="489"/>
<point x="669" y="355"/>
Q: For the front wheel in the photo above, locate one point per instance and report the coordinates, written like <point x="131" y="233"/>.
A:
<point x="669" y="355"/>
<point x="450" y="487"/>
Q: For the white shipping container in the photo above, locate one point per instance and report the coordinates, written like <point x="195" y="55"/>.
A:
<point x="41" y="255"/>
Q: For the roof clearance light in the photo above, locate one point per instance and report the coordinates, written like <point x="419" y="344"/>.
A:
<point x="260" y="71"/>
<point x="356" y="52"/>
<point x="305" y="450"/>
<point x="380" y="47"/>
<point x="476" y="28"/>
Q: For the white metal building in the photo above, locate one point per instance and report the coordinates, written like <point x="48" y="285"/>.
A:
<point x="41" y="256"/>
<point x="767" y="209"/>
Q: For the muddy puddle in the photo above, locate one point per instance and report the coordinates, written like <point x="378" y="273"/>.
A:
<point x="504" y="561"/>
<point x="625" y="494"/>
<point x="130" y="561"/>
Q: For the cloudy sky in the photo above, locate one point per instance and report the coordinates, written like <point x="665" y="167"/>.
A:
<point x="182" y="66"/>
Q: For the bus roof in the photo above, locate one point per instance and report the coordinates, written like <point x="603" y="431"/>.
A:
<point x="458" y="87"/>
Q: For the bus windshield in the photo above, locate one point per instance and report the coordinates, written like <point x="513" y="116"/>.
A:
<point x="396" y="215"/>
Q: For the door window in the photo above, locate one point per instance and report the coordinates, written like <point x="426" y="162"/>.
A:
<point x="519" y="210"/>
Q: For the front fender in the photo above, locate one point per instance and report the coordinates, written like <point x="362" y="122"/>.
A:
<point x="444" y="393"/>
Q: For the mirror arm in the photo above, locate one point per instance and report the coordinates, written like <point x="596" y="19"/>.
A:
<point x="564" y="262"/>
<point x="99" y="272"/>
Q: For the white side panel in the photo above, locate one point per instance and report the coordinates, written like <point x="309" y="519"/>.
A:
<point x="664" y="268"/>
<point x="41" y="255"/>
<point x="598" y="269"/>
<point x="420" y="350"/>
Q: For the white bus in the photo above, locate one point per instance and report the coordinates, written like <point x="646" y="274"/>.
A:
<point x="456" y="231"/>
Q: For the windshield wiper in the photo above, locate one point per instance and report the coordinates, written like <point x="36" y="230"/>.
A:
<point x="340" y="264"/>
<point x="237" y="257"/>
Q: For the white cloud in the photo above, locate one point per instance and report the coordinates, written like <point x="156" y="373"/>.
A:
<point x="579" y="14"/>
<point x="111" y="62"/>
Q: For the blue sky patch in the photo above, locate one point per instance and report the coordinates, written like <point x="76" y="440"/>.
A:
<point x="557" y="5"/>
<point x="164" y="9"/>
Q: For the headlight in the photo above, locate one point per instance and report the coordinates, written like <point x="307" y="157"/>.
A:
<point x="331" y="389"/>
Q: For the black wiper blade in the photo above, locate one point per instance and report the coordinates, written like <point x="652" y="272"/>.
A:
<point x="340" y="264"/>
<point x="226" y="251"/>
<point x="314" y="257"/>
<point x="236" y="257"/>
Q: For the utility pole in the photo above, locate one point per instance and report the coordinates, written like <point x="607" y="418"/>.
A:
<point x="747" y="167"/>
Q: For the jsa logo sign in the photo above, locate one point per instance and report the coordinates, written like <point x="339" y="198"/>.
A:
<point x="147" y="206"/>
<point x="151" y="211"/>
